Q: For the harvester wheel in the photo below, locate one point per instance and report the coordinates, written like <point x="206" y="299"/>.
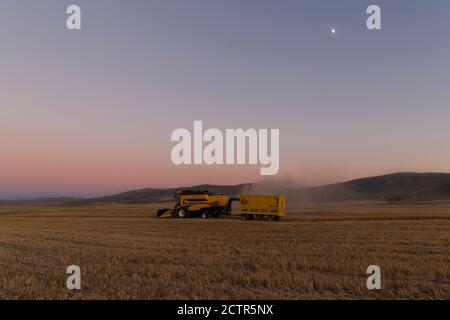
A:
<point x="218" y="212"/>
<point x="204" y="214"/>
<point x="182" y="213"/>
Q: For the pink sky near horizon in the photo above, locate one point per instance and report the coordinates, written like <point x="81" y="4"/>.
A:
<point x="53" y="150"/>
<point x="61" y="164"/>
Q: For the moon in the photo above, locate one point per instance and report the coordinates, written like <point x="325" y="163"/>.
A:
<point x="333" y="30"/>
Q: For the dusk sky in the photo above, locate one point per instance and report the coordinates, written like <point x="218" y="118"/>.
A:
<point x="90" y="112"/>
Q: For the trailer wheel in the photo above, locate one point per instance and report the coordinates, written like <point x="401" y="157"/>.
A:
<point x="182" y="213"/>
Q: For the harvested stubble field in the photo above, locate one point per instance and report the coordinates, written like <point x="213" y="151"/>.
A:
<point x="320" y="252"/>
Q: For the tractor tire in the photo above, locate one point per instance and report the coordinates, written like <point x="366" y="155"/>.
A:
<point x="204" y="214"/>
<point x="182" y="213"/>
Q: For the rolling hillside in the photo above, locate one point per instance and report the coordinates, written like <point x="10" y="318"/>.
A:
<point x="143" y="196"/>
<point x="391" y="188"/>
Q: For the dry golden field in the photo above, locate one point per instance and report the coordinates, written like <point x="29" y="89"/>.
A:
<point x="317" y="252"/>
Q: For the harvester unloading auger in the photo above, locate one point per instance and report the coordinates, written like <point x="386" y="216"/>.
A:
<point x="203" y="204"/>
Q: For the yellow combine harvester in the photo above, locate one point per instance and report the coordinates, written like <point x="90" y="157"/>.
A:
<point x="203" y="204"/>
<point x="198" y="203"/>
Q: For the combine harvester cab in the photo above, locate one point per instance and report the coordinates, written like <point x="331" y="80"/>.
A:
<point x="265" y="207"/>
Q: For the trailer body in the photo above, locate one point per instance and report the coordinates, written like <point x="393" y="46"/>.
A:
<point x="262" y="207"/>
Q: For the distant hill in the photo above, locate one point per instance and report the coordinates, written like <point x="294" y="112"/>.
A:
<point x="395" y="187"/>
<point x="143" y="196"/>
<point x="402" y="186"/>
